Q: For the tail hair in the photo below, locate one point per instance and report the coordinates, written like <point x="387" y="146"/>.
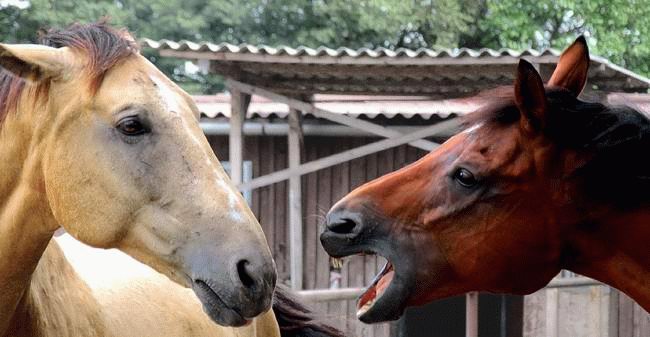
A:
<point x="296" y="320"/>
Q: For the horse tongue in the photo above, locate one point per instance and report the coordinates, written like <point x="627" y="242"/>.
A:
<point x="367" y="297"/>
<point x="385" y="281"/>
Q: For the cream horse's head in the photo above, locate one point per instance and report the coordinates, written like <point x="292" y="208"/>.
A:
<point x="125" y="165"/>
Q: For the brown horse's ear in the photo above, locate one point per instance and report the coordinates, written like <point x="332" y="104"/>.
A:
<point x="572" y="68"/>
<point x="34" y="62"/>
<point x="530" y="96"/>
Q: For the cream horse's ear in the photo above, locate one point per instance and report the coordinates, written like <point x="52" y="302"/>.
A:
<point x="35" y="62"/>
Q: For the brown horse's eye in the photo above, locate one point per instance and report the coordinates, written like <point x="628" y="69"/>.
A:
<point x="131" y="126"/>
<point x="465" y="178"/>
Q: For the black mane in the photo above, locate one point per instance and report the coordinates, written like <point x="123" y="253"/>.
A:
<point x="616" y="139"/>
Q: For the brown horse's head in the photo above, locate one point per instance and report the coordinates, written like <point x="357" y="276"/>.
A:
<point x="117" y="150"/>
<point x="482" y="212"/>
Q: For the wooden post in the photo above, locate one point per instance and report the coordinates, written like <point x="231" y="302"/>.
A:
<point x="295" y="199"/>
<point x="238" y="106"/>
<point x="471" y="314"/>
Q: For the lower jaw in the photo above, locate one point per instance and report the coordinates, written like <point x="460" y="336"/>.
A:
<point x="373" y="294"/>
<point x="231" y="319"/>
<point x="216" y="309"/>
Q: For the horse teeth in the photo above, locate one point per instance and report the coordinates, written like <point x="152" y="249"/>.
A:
<point x="337" y="263"/>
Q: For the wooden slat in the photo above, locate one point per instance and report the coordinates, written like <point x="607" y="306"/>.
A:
<point x="281" y="242"/>
<point x="641" y="322"/>
<point x="321" y="113"/>
<point x="471" y="314"/>
<point x="346" y="155"/>
<point x="238" y="106"/>
<point x="295" y="200"/>
<point x="267" y="195"/>
<point x="311" y="218"/>
<point x="324" y="201"/>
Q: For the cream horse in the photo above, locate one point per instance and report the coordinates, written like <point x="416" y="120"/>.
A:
<point x="96" y="140"/>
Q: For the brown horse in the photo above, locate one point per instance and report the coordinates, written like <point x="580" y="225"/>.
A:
<point x="539" y="181"/>
<point x="96" y="140"/>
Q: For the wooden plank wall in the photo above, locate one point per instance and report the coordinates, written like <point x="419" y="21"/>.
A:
<point x="321" y="190"/>
<point x="584" y="311"/>
<point x="633" y="320"/>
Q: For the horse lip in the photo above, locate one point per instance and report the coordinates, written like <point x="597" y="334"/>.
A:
<point x="391" y="304"/>
<point x="216" y="307"/>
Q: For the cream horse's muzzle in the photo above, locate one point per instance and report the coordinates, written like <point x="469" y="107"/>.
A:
<point x="234" y="290"/>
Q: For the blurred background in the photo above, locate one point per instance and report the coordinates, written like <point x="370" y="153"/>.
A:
<point x="354" y="72"/>
<point x="618" y="30"/>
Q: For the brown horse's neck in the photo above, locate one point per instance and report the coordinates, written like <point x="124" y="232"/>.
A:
<point x="26" y="228"/>
<point x="613" y="248"/>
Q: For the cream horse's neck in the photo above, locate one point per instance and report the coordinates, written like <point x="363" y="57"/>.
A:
<point x="35" y="278"/>
<point x="53" y="293"/>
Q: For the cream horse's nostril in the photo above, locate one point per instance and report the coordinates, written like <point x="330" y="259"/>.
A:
<point x="245" y="276"/>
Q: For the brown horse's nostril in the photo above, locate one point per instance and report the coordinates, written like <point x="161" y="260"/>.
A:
<point x="342" y="226"/>
<point x="244" y="274"/>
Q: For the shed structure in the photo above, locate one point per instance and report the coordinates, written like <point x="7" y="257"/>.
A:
<point x="387" y="108"/>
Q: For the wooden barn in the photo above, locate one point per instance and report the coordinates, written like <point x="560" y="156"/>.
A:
<point x="301" y="127"/>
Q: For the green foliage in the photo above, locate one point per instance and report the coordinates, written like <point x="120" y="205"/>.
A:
<point x="617" y="29"/>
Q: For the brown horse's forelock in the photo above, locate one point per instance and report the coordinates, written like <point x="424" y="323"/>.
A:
<point x="103" y="45"/>
<point x="614" y="137"/>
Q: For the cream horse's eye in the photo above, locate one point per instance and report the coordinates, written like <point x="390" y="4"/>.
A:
<point x="131" y="126"/>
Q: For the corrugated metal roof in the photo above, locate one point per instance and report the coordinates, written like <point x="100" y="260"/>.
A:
<point x="352" y="105"/>
<point x="438" y="73"/>
<point x="185" y="45"/>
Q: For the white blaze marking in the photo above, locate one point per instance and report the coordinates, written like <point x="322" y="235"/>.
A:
<point x="170" y="99"/>
<point x="168" y="96"/>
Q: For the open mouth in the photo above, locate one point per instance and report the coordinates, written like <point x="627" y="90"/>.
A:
<point x="384" y="298"/>
<point x="216" y="307"/>
<point x="376" y="290"/>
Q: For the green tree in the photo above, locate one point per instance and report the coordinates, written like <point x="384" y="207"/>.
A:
<point x="617" y="29"/>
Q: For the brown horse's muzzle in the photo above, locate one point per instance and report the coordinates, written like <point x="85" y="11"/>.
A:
<point x="354" y="230"/>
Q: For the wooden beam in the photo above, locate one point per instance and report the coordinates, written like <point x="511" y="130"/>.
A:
<point x="238" y="106"/>
<point x="328" y="295"/>
<point x="320" y="113"/>
<point x="456" y="73"/>
<point x="429" y="87"/>
<point x="348" y="155"/>
<point x="471" y="314"/>
<point x="295" y="200"/>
